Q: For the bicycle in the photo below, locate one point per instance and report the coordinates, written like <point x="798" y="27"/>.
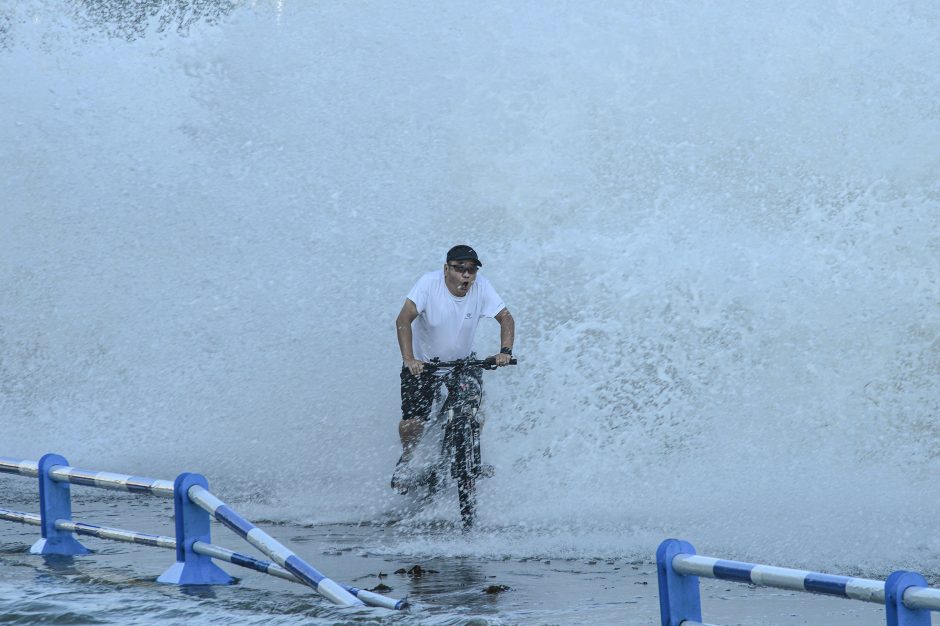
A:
<point x="449" y="448"/>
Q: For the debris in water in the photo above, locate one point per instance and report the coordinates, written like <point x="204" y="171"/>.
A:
<point x="416" y="572"/>
<point x="496" y="589"/>
<point x="380" y="588"/>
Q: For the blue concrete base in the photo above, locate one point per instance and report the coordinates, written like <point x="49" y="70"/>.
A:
<point x="65" y="545"/>
<point x="192" y="525"/>
<point x="202" y="573"/>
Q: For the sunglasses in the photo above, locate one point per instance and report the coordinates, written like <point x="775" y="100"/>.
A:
<point x="464" y="269"/>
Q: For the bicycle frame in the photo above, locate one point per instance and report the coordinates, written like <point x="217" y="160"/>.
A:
<point x="456" y="422"/>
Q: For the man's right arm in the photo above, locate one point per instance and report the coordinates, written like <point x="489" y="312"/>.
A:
<point x="408" y="314"/>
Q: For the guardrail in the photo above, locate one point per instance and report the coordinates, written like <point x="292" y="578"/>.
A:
<point x="907" y="598"/>
<point x="193" y="505"/>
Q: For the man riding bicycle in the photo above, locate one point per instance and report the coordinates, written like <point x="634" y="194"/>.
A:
<point x="439" y="321"/>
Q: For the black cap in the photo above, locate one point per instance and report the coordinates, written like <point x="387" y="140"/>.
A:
<point x="463" y="253"/>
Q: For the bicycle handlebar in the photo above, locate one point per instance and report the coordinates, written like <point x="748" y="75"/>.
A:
<point x="487" y="364"/>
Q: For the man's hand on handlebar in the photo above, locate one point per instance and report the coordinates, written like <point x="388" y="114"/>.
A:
<point x="501" y="359"/>
<point x="414" y="366"/>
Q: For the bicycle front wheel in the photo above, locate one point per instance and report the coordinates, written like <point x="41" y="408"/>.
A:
<point x="465" y="468"/>
<point x="466" y="495"/>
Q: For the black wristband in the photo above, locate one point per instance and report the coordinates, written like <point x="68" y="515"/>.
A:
<point x="505" y="350"/>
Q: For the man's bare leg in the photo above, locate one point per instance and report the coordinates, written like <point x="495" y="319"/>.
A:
<point x="410" y="433"/>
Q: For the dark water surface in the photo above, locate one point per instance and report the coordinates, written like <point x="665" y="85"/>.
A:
<point x="117" y="584"/>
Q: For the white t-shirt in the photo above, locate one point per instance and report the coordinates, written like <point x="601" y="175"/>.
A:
<point x="446" y="325"/>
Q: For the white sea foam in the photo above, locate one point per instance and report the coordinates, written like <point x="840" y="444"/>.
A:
<point x="717" y="227"/>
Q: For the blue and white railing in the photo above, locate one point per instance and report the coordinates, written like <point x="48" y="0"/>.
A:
<point x="193" y="504"/>
<point x="907" y="598"/>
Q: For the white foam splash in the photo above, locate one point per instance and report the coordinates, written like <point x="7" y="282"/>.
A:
<point x="717" y="230"/>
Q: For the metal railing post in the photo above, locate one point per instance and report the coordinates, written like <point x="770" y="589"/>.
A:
<point x="194" y="507"/>
<point x="679" y="598"/>
<point x="896" y="612"/>
<point x="192" y="525"/>
<point x="55" y="503"/>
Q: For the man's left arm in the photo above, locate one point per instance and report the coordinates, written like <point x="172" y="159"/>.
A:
<point x="507" y="335"/>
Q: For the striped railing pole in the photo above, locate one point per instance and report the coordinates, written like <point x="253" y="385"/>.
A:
<point x="780" y="577"/>
<point x="216" y="552"/>
<point x="270" y="547"/>
<point x="19" y="516"/>
<point x="267" y="567"/>
<point x="192" y="525"/>
<point x="17" y="466"/>
<point x="118" y="534"/>
<point x="112" y="481"/>
<point x="864" y="589"/>
<point x="375" y="599"/>
<point x="92" y="530"/>
<point x="102" y="480"/>
<point x="55" y="503"/>
<point x="906" y="597"/>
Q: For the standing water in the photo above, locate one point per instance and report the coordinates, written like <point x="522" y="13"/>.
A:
<point x="717" y="227"/>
